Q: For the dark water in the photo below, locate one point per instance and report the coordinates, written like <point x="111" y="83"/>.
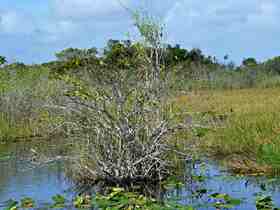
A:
<point x="18" y="180"/>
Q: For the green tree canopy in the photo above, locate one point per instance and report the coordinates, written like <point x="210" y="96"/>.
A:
<point x="175" y="55"/>
<point x="272" y="65"/>
<point x="249" y="62"/>
<point x="2" y="60"/>
<point x="74" y="53"/>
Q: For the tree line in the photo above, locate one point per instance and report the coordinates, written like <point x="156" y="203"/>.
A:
<point x="121" y="52"/>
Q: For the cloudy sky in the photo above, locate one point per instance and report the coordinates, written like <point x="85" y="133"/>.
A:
<point x="33" y="30"/>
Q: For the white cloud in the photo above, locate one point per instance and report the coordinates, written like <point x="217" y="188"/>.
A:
<point x="9" y="22"/>
<point x="224" y="26"/>
<point x="81" y="9"/>
<point x="12" y="22"/>
<point x="267" y="17"/>
<point x="57" y="30"/>
<point x="239" y="27"/>
<point x="225" y="13"/>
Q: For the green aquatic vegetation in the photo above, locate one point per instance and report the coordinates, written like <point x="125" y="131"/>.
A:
<point x="119" y="199"/>
<point x="12" y="205"/>
<point x="265" y="203"/>
<point x="82" y="202"/>
<point x="59" y="201"/>
<point x="198" y="178"/>
<point x="172" y="182"/>
<point x="27" y="203"/>
<point x="200" y="192"/>
<point x="224" y="201"/>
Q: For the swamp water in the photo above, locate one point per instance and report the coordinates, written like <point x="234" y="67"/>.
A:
<point x="18" y="180"/>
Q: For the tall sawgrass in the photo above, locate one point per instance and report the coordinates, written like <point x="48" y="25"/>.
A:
<point x="24" y="91"/>
<point x="245" y="134"/>
<point x="224" y="79"/>
<point x="249" y="130"/>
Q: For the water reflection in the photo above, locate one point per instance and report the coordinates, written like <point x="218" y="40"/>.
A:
<point x="17" y="180"/>
<point x="217" y="180"/>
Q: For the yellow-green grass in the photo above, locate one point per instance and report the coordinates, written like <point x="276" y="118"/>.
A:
<point x="248" y="136"/>
<point x="16" y="131"/>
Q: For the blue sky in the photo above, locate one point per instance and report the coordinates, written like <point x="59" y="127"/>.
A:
<point x="33" y="30"/>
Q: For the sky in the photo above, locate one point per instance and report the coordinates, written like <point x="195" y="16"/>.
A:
<point x="31" y="31"/>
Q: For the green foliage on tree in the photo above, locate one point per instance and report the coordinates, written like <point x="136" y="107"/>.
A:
<point x="175" y="55"/>
<point x="122" y="54"/>
<point x="249" y="62"/>
<point x="75" y="53"/>
<point x="2" y="60"/>
<point x="272" y="65"/>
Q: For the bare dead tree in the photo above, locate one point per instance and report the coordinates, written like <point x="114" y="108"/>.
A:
<point x="122" y="116"/>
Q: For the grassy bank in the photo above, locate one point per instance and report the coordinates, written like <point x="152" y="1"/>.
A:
<point x="244" y="127"/>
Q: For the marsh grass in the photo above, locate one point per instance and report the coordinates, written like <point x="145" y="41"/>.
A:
<point x="225" y="79"/>
<point x="247" y="138"/>
<point x="23" y="92"/>
<point x="10" y="132"/>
